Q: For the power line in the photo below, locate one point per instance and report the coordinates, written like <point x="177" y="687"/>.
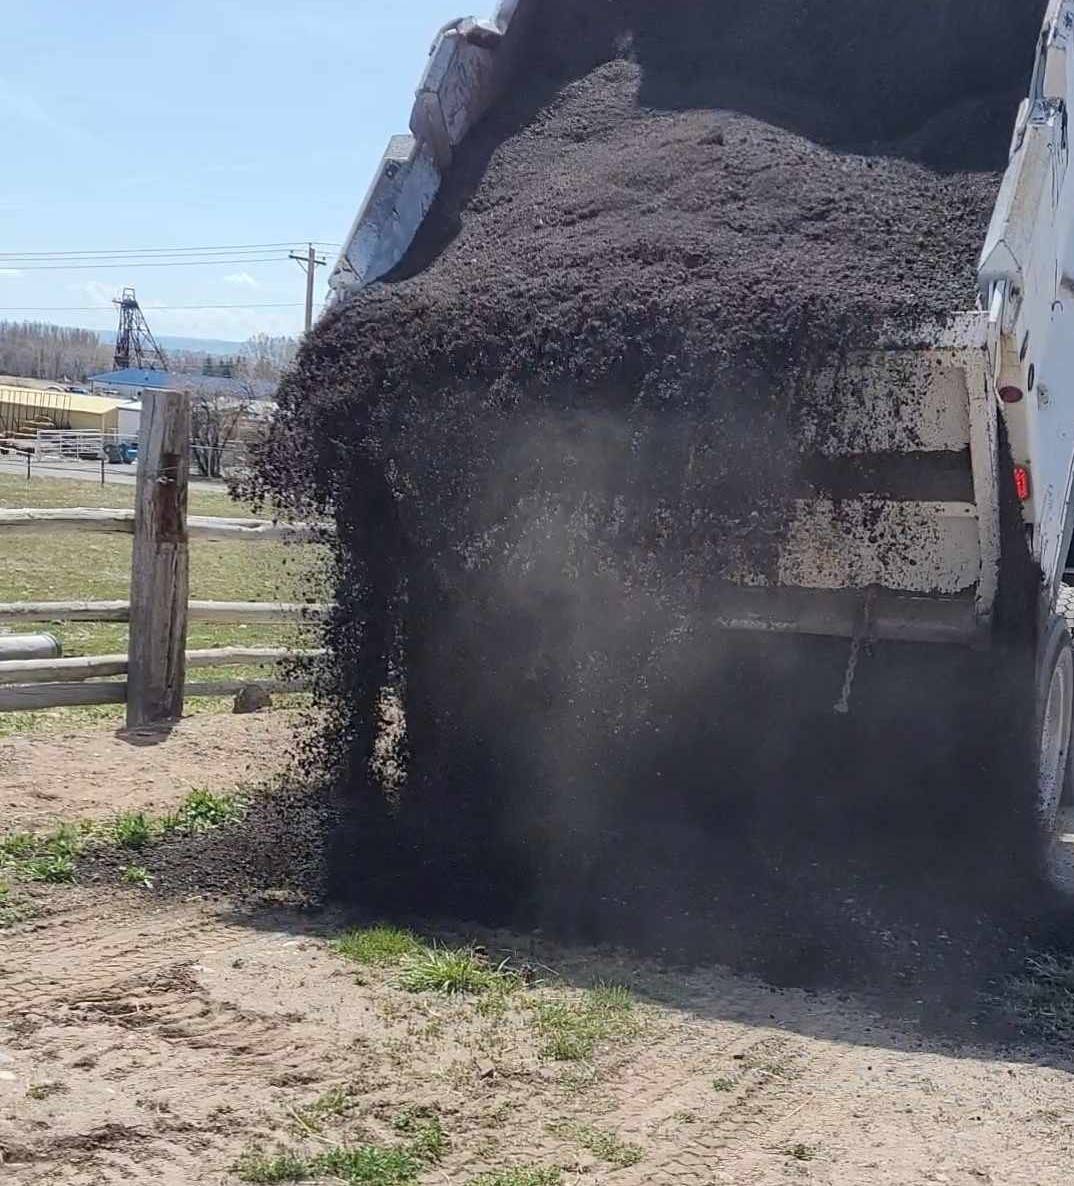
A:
<point x="161" y="250"/>
<point x="146" y="263"/>
<point x="161" y="257"/>
<point x="149" y="308"/>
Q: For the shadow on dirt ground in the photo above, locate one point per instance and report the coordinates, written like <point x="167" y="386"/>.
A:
<point x="922" y="956"/>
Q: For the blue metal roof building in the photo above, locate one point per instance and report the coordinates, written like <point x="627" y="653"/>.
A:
<point x="135" y="377"/>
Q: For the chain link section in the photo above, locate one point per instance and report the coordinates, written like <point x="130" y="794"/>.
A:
<point x="862" y="637"/>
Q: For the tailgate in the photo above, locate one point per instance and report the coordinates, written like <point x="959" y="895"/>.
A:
<point x="896" y="530"/>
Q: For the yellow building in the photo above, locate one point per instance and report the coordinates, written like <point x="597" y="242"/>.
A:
<point x="23" y="410"/>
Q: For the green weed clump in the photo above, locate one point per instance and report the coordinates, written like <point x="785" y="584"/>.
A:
<point x="519" y="1176"/>
<point x="452" y="972"/>
<point x="17" y="846"/>
<point x="363" y="1165"/>
<point x="379" y="945"/>
<point x="132" y="829"/>
<point x="13" y="909"/>
<point x="571" y="1030"/>
<point x="331" y="1105"/>
<point x="55" y="868"/>
<point x="48" y="858"/>
<point x="607" y="1146"/>
<point x="425" y="1134"/>
<point x="137" y="875"/>
<point x="369" y="1165"/>
<point x="203" y="810"/>
<point x="261" y="1168"/>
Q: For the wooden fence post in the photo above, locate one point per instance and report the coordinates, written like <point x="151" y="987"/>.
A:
<point x="160" y="577"/>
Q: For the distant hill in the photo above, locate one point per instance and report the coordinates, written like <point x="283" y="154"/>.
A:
<point x="196" y="345"/>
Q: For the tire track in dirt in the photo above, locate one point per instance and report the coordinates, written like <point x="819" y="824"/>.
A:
<point x="671" y="1106"/>
<point x="128" y="1156"/>
<point x="36" y="968"/>
<point x="132" y="1022"/>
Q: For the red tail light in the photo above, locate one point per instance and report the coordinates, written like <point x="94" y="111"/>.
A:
<point x="1021" y="483"/>
<point x="1010" y="395"/>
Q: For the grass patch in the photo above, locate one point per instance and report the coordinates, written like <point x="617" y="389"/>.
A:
<point x="255" y="1166"/>
<point x="51" y="857"/>
<point x="606" y="1146"/>
<point x="43" y="858"/>
<point x="54" y="868"/>
<point x="519" y="1176"/>
<point x="801" y="1152"/>
<point x="369" y="1165"/>
<point x="14" y="909"/>
<point x="571" y="1030"/>
<point x="132" y="829"/>
<point x="17" y="846"/>
<point x="202" y="810"/>
<point x="723" y="1084"/>
<point x="425" y="1134"/>
<point x="380" y="945"/>
<point x="453" y="972"/>
<point x="1040" y="999"/>
<point x="332" y="1105"/>
<point x="137" y="875"/>
<point x="42" y="1091"/>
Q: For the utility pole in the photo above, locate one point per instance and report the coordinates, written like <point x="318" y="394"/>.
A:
<point x="309" y="263"/>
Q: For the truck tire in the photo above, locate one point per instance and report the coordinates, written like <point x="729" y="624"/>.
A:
<point x="1055" y="698"/>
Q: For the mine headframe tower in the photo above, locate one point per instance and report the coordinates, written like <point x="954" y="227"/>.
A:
<point x="135" y="344"/>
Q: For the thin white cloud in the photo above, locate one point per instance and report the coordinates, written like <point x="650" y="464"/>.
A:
<point x="10" y="272"/>
<point x="241" y="280"/>
<point x="98" y="292"/>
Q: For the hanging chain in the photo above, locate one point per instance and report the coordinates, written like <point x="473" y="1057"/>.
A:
<point x="862" y="637"/>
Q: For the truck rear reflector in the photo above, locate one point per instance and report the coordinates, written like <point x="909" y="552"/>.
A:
<point x="1010" y="395"/>
<point x="1022" y="485"/>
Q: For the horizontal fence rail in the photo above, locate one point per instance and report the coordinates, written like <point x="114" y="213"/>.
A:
<point x="159" y="606"/>
<point x="34" y="521"/>
<point x="250" y="612"/>
<point x="34" y="671"/>
<point x="30" y="697"/>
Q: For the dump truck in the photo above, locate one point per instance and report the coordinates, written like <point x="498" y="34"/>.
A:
<point x="949" y="422"/>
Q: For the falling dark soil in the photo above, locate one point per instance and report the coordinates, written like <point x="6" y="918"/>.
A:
<point x="607" y="361"/>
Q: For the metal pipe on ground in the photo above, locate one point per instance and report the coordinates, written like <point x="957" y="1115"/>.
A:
<point x="30" y="646"/>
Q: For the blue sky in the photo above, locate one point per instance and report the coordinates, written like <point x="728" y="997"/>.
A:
<point x="194" y="124"/>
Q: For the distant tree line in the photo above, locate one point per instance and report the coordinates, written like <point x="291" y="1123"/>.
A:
<point x="34" y="350"/>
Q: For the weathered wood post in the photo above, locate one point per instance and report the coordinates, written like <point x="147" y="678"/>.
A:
<point x="160" y="577"/>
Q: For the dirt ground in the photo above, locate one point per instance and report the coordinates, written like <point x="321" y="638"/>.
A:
<point x="52" y="778"/>
<point x="141" y="1042"/>
<point x="154" y="1038"/>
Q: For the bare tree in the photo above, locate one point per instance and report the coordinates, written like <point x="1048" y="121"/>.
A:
<point x="215" y="422"/>
<point x="35" y="350"/>
<point x="266" y="357"/>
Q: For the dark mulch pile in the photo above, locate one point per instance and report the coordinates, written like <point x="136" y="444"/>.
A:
<point x="542" y="437"/>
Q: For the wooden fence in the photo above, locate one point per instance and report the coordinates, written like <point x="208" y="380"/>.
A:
<point x="159" y="607"/>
